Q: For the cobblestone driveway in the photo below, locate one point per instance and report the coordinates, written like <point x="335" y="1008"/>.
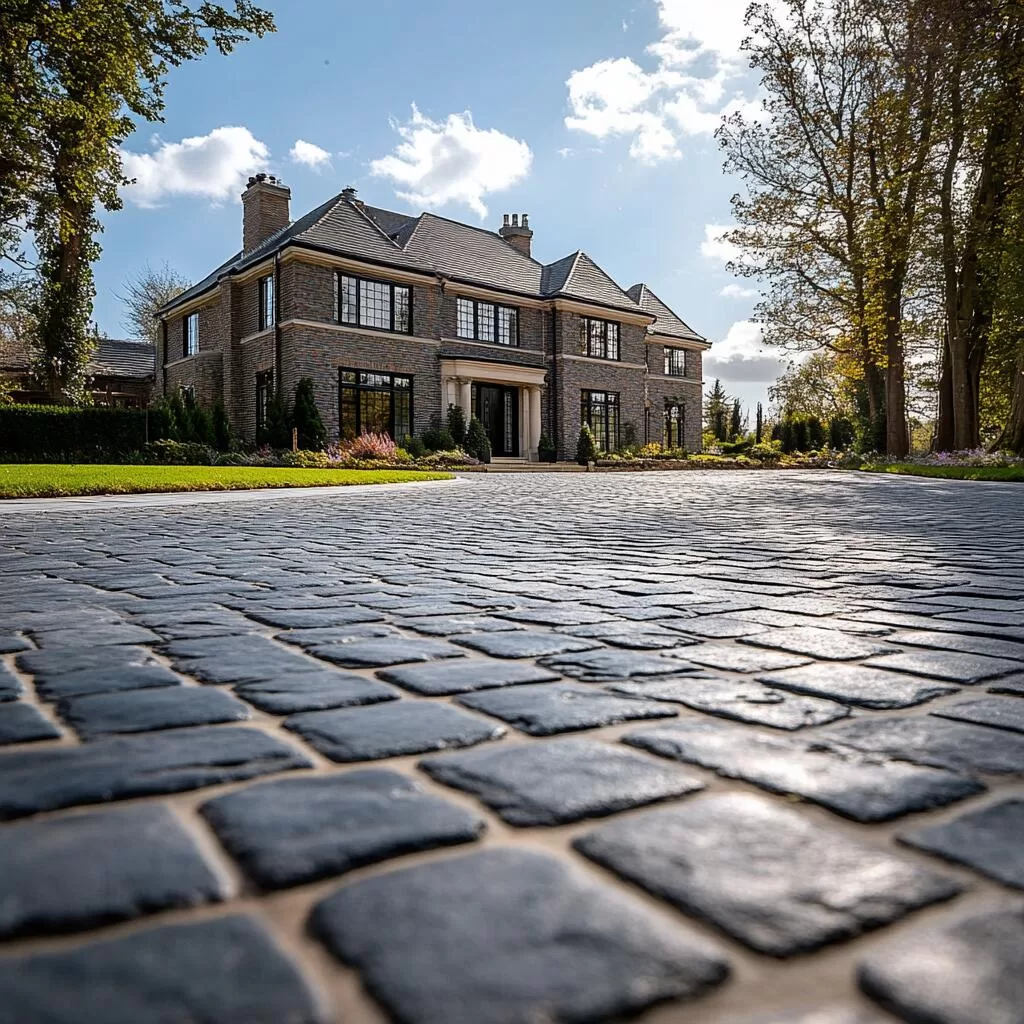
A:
<point x="699" y="747"/>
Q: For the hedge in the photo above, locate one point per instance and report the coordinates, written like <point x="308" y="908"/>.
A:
<point x="55" y="431"/>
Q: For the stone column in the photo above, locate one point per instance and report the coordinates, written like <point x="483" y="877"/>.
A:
<point x="524" y="423"/>
<point x="534" y="421"/>
<point x="466" y="397"/>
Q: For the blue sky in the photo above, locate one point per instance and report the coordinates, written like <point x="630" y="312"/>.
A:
<point x="594" y="116"/>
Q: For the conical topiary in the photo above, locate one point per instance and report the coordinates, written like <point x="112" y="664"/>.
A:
<point x="306" y="417"/>
<point x="477" y="442"/>
<point x="586" y="446"/>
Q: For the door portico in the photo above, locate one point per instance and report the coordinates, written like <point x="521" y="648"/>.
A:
<point x="506" y="395"/>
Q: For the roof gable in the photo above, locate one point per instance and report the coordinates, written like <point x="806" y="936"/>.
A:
<point x="586" y="280"/>
<point x="667" y="322"/>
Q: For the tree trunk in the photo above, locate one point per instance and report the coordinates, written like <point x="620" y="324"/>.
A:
<point x="1013" y="434"/>
<point x="897" y="441"/>
<point x="943" y="439"/>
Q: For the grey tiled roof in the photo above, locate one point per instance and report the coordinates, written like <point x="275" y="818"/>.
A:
<point x="668" y="322"/>
<point x="115" y="358"/>
<point x="430" y="244"/>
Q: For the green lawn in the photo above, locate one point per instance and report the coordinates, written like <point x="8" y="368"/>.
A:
<point x="58" y="481"/>
<point x="1003" y="473"/>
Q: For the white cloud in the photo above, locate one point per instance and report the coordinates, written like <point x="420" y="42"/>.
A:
<point x="716" y="247"/>
<point x="452" y="161"/>
<point x="309" y="154"/>
<point x="737" y="291"/>
<point x="214" y="166"/>
<point x="693" y="84"/>
<point x="740" y="356"/>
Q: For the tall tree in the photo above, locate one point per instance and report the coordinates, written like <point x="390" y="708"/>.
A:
<point x="144" y="294"/>
<point x="717" y="408"/>
<point x="75" y="77"/>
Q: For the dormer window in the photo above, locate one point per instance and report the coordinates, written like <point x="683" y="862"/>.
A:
<point x="599" y="338"/>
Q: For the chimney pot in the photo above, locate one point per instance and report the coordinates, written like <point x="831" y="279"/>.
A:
<point x="349" y="193"/>
<point x="526" y="222"/>
<point x="505" y="221"/>
<point x="517" y="234"/>
<point x="515" y="220"/>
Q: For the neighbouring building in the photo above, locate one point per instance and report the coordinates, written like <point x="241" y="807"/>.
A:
<point x="119" y="373"/>
<point x="395" y="317"/>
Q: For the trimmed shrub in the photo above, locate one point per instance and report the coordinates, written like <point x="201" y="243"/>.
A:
<point x="457" y="424"/>
<point x="546" y="450"/>
<point x="278" y="429"/>
<point x="841" y="434"/>
<point x="56" y="432"/>
<point x="478" y="444"/>
<point x="586" y="446"/>
<point x="438" y="438"/>
<point x="306" y="417"/>
<point x="222" y="438"/>
<point x="179" y="453"/>
<point x="414" y="446"/>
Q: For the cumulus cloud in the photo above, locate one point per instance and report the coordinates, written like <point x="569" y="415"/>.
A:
<point x="309" y="154"/>
<point x="452" y="161"/>
<point x="696" y="79"/>
<point x="214" y="166"/>
<point x="715" y="247"/>
<point x="739" y="291"/>
<point x="741" y="357"/>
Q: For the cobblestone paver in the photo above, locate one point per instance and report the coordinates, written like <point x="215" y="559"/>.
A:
<point x="688" y="748"/>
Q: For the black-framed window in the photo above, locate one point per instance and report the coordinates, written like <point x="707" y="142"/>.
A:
<point x="375" y="403"/>
<point x="267" y="315"/>
<point x="487" y="321"/>
<point x="599" y="338"/>
<point x="600" y="411"/>
<point x="264" y="393"/>
<point x="675" y="424"/>
<point x="190" y="334"/>
<point x="675" y="362"/>
<point x="365" y="302"/>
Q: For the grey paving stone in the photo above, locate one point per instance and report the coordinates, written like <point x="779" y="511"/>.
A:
<point x="235" y="659"/>
<point x="67" y="660"/>
<point x="946" y="641"/>
<point x="602" y="665"/>
<point x="733" y="658"/>
<point x="462" y="676"/>
<point x="145" y="710"/>
<point x="86" y="870"/>
<point x="226" y="970"/>
<point x="313" y="618"/>
<point x="390" y="730"/>
<point x="816" y="642"/>
<point x="859" y="685"/>
<point x="9" y="643"/>
<point x="638" y="636"/>
<point x="949" y="665"/>
<point x="450" y="625"/>
<point x="378" y="653"/>
<point x="988" y="840"/>
<point x="113" y="680"/>
<point x="314" y="691"/>
<point x="567" y="949"/>
<point x="101" y="634"/>
<point x="925" y="739"/>
<point x="10" y="688"/>
<point x="997" y="712"/>
<point x="549" y="708"/>
<point x="864" y="788"/>
<point x="560" y="781"/>
<point x="526" y="644"/>
<point x="132" y="766"/>
<point x="1013" y="685"/>
<point x="722" y="627"/>
<point x="964" y="972"/>
<point x="557" y="615"/>
<point x="763" y="873"/>
<point x="740" y="699"/>
<point x="299" y="830"/>
<point x="22" y="723"/>
<point x="312" y="639"/>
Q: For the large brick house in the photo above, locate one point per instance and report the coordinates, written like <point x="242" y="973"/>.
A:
<point x="395" y="317"/>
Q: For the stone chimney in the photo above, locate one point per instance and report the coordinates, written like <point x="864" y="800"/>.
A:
<point x="517" y="235"/>
<point x="264" y="209"/>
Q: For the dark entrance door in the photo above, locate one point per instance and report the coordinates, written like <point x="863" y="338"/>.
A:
<point x="497" y="409"/>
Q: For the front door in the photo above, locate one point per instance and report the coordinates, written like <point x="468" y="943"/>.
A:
<point x="497" y="409"/>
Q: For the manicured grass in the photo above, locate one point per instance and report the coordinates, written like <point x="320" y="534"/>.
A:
<point x="1003" y="473"/>
<point x="58" y="481"/>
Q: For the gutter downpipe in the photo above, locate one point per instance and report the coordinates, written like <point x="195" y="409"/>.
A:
<point x="278" y="356"/>
<point x="554" y="378"/>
